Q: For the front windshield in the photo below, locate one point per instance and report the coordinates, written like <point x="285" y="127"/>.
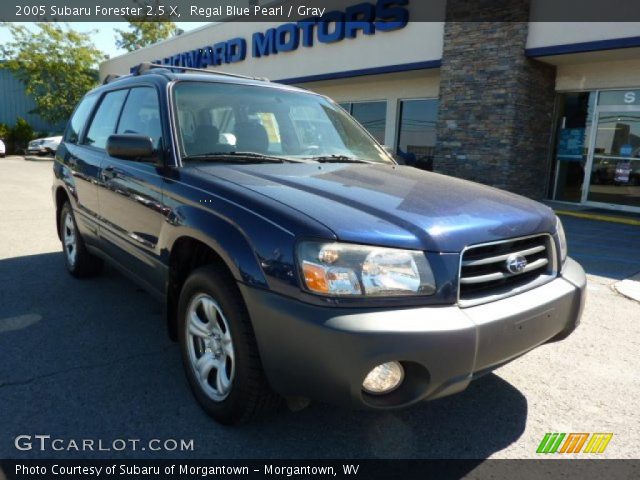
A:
<point x="222" y="118"/>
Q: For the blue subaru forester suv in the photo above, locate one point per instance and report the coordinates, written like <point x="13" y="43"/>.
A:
<point x="295" y="258"/>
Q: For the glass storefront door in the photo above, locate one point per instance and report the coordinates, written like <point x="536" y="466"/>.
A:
<point x="597" y="154"/>
<point x="576" y="111"/>
<point x="613" y="164"/>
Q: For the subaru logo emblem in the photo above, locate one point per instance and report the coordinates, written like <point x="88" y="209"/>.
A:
<point x="516" y="263"/>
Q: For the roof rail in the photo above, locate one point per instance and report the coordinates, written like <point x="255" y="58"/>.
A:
<point x="110" y="78"/>
<point x="145" y="67"/>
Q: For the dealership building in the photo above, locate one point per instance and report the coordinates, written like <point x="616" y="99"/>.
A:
<point x="550" y="110"/>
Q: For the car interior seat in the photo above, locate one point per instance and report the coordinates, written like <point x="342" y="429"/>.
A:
<point x="251" y="137"/>
<point x="205" y="140"/>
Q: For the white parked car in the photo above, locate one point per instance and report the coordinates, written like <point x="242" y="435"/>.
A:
<point x="44" y="146"/>
<point x="3" y="151"/>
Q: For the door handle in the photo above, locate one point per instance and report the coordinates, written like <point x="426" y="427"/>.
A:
<point x="108" y="173"/>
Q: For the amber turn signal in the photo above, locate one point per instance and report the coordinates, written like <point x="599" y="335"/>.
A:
<point x="314" y="277"/>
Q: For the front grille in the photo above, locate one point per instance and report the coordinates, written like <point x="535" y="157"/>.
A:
<point x="484" y="275"/>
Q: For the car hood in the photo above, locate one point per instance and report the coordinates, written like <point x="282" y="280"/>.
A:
<point x="393" y="205"/>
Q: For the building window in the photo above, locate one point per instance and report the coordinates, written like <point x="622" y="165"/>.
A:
<point x="417" y="132"/>
<point x="372" y="116"/>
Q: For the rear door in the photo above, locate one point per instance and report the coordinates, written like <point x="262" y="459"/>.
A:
<point x="81" y="169"/>
<point x="131" y="198"/>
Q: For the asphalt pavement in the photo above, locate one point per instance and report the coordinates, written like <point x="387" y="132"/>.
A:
<point x="91" y="360"/>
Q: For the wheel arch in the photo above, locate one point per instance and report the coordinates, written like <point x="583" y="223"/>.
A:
<point x="61" y="197"/>
<point x="193" y="249"/>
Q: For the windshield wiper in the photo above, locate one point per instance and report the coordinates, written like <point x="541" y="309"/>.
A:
<point x="337" y="159"/>
<point x="238" y="157"/>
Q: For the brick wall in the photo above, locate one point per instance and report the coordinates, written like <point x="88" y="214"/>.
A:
<point x="496" y="106"/>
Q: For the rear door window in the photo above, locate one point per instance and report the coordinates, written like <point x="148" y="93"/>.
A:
<point x="105" y="120"/>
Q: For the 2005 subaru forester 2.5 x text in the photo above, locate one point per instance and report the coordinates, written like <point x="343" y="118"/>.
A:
<point x="296" y="259"/>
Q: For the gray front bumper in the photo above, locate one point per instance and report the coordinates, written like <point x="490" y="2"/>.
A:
<point x="324" y="353"/>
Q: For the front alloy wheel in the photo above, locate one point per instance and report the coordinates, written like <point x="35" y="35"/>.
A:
<point x="210" y="347"/>
<point x="219" y="349"/>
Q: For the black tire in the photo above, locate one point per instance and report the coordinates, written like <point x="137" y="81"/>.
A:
<point x="83" y="264"/>
<point x="250" y="395"/>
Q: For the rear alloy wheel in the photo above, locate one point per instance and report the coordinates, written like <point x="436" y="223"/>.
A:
<point x="70" y="241"/>
<point x="219" y="349"/>
<point x="80" y="263"/>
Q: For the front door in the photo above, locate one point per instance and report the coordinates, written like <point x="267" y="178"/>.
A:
<point x="612" y="176"/>
<point x="131" y="198"/>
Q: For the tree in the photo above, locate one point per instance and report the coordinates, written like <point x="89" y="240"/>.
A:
<point x="5" y="130"/>
<point x="143" y="34"/>
<point x="20" y="135"/>
<point x="56" y="65"/>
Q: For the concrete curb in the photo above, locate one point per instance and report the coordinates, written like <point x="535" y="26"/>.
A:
<point x="36" y="158"/>
<point x="629" y="287"/>
<point x="600" y="217"/>
<point x="29" y="158"/>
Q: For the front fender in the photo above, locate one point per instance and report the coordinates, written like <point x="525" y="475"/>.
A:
<point x="250" y="262"/>
<point x="219" y="234"/>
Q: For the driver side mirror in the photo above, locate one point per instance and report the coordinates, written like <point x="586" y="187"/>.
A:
<point x="130" y="147"/>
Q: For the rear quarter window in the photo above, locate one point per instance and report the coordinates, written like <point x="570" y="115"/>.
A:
<point x="79" y="118"/>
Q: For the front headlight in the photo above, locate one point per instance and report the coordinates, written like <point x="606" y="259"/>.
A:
<point x="562" y="239"/>
<point x="342" y="269"/>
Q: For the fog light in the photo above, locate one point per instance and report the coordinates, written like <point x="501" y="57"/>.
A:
<point x="384" y="378"/>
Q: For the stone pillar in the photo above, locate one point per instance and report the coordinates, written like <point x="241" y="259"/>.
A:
<point x="496" y="105"/>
